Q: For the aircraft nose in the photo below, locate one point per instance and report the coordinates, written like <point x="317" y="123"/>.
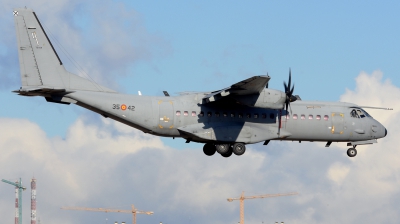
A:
<point x="385" y="132"/>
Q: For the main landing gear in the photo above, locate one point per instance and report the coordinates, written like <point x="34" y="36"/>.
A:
<point x="224" y="149"/>
<point x="351" y="152"/>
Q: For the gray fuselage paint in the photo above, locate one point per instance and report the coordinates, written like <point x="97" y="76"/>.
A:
<point x="158" y="115"/>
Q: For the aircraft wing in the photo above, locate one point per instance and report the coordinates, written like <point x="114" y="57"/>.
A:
<point x="253" y="85"/>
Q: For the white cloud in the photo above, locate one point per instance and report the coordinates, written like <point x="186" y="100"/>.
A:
<point x="338" y="172"/>
<point x="372" y="91"/>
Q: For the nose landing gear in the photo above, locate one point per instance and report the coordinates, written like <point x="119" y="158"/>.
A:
<point x="351" y="152"/>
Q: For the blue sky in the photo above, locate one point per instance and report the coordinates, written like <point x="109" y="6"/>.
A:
<point x="151" y="46"/>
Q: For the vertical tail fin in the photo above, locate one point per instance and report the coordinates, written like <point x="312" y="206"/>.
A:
<point x="40" y="64"/>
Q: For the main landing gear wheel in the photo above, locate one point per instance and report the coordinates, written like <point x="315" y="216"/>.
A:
<point x="227" y="154"/>
<point x="239" y="149"/>
<point x="222" y="148"/>
<point x="209" y="149"/>
<point x="351" y="152"/>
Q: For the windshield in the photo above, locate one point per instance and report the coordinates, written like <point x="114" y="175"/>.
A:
<point x="359" y="113"/>
<point x="365" y="112"/>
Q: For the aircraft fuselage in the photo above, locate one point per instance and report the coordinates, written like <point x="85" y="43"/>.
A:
<point x="184" y="116"/>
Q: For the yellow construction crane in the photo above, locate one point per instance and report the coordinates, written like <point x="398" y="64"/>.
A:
<point x="242" y="198"/>
<point x="134" y="211"/>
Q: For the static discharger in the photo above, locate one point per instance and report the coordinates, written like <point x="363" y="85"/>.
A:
<point x="134" y="211"/>
<point x="242" y="198"/>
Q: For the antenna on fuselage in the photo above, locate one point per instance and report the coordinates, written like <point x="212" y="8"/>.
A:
<point x="166" y="93"/>
<point x="140" y="93"/>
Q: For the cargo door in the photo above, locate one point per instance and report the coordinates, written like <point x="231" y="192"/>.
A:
<point x="337" y="123"/>
<point x="166" y="114"/>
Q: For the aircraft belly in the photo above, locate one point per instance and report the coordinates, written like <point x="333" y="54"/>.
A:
<point x="233" y="132"/>
<point x="218" y="132"/>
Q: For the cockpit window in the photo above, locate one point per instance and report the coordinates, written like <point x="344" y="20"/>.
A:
<point x="354" y="114"/>
<point x="359" y="113"/>
<point x="365" y="112"/>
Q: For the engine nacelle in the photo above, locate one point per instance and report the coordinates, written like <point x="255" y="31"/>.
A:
<point x="268" y="98"/>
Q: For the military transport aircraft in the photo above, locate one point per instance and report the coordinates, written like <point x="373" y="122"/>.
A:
<point x="225" y="120"/>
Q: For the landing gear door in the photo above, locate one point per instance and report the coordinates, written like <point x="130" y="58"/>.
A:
<point x="166" y="114"/>
<point x="337" y="123"/>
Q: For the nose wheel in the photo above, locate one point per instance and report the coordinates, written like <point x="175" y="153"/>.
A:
<point x="351" y="152"/>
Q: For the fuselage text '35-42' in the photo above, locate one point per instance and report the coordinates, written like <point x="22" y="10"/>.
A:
<point x="225" y="120"/>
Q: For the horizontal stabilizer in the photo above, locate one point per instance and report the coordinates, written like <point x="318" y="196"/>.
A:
<point x="38" y="91"/>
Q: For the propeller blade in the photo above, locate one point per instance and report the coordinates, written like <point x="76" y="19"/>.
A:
<point x="291" y="91"/>
<point x="287" y="104"/>
<point x="290" y="78"/>
<point x="279" y="122"/>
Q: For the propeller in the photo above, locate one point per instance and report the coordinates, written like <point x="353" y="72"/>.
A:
<point x="289" y="91"/>
<point x="289" y="97"/>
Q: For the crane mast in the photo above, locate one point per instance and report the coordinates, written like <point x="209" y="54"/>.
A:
<point x="18" y="199"/>
<point x="242" y="198"/>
